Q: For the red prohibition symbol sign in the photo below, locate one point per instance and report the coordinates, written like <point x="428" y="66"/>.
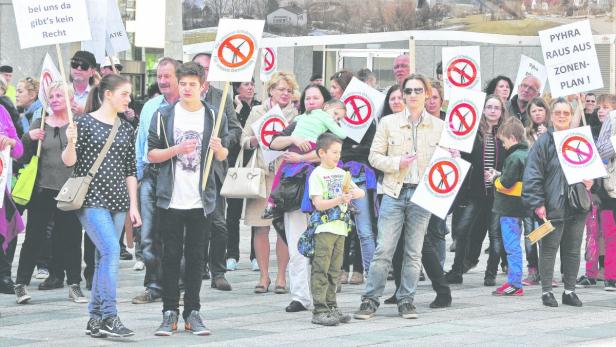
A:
<point x="443" y="177"/>
<point x="577" y="150"/>
<point x="462" y="72"/>
<point x="46" y="79"/>
<point x="362" y="110"/>
<point x="239" y="47"/>
<point x="271" y="127"/>
<point x="462" y="119"/>
<point x="269" y="60"/>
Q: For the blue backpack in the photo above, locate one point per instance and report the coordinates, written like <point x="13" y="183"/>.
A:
<point x="306" y="242"/>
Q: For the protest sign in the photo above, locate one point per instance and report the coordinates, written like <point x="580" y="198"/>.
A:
<point x="363" y="105"/>
<point x="49" y="74"/>
<point x="150" y="23"/>
<point x="272" y="123"/>
<point x="116" y="39"/>
<point x="235" y="51"/>
<point x="578" y="155"/>
<point x="571" y="59"/>
<point x="269" y="63"/>
<point x="97" y="11"/>
<point x="530" y="67"/>
<point x="440" y="183"/>
<point x="461" y="68"/>
<point x="42" y="22"/>
<point x="462" y="119"/>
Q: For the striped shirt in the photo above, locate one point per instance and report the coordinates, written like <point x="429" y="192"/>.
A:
<point x="489" y="155"/>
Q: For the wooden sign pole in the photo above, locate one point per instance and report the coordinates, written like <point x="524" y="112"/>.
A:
<point x="210" y="154"/>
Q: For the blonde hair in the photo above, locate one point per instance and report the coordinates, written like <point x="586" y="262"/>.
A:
<point x="60" y="85"/>
<point x="281" y="76"/>
<point x="31" y="84"/>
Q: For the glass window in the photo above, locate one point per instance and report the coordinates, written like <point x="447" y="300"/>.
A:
<point x="382" y="68"/>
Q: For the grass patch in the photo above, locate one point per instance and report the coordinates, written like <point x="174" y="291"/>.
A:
<point x="483" y="24"/>
<point x="197" y="37"/>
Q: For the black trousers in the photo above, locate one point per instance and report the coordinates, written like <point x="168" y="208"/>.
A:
<point x="352" y="253"/>
<point x="65" y="239"/>
<point x="6" y="258"/>
<point x="183" y="234"/>
<point x="216" y="245"/>
<point x="429" y="259"/>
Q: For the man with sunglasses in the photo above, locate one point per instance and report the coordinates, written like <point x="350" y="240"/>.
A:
<point x="83" y="67"/>
<point x="527" y="90"/>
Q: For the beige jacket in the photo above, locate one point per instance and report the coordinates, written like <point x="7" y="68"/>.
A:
<point x="394" y="139"/>
<point x="255" y="114"/>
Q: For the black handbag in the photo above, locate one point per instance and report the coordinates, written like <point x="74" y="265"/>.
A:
<point x="579" y="198"/>
<point x="289" y="193"/>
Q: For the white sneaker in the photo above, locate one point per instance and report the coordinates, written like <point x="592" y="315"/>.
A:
<point x="75" y="294"/>
<point x="139" y="266"/>
<point x="231" y="264"/>
<point x="254" y="265"/>
<point x="42" y="274"/>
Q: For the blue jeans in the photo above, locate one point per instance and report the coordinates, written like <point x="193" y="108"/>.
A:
<point x="398" y="216"/>
<point x="151" y="244"/>
<point x="104" y="228"/>
<point x="363" y="222"/>
<point x="512" y="231"/>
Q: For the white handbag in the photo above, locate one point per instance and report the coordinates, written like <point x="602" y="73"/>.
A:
<point x="244" y="182"/>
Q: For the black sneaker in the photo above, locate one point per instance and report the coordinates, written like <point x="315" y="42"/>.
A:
<point x="549" y="300"/>
<point x="93" y="328"/>
<point x="584" y="282"/>
<point x="125" y="254"/>
<point x="194" y="324"/>
<point x="113" y="326"/>
<point x="148" y="296"/>
<point x="295" y="306"/>
<point x="453" y="277"/>
<point x="441" y="301"/>
<point x="21" y="293"/>
<point x="571" y="299"/>
<point x="366" y="310"/>
<point x="489" y="282"/>
<point x="169" y="324"/>
<point x="51" y="283"/>
<point x="406" y="310"/>
<point x="610" y="285"/>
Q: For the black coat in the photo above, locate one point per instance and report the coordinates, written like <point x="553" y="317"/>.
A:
<point x="544" y="182"/>
<point x="474" y="187"/>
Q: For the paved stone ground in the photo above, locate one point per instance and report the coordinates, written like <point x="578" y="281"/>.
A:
<point x="241" y="318"/>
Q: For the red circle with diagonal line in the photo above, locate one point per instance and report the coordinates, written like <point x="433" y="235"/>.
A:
<point x="577" y="150"/>
<point x="359" y="110"/>
<point x="271" y="127"/>
<point x="462" y="72"/>
<point x="443" y="177"/>
<point x="46" y="79"/>
<point x="269" y="60"/>
<point x="462" y="119"/>
<point x="234" y="44"/>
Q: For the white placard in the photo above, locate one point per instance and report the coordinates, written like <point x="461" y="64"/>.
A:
<point x="571" y="59"/>
<point x="363" y="105"/>
<point x="97" y="10"/>
<point x="116" y="39"/>
<point x="269" y="63"/>
<point x="578" y="155"/>
<point x="530" y="67"/>
<point x="5" y="171"/>
<point x="49" y="74"/>
<point x="273" y="122"/>
<point x="440" y="183"/>
<point x="236" y="50"/>
<point x="462" y="119"/>
<point x="44" y="22"/>
<point x="461" y="68"/>
<point x="150" y="23"/>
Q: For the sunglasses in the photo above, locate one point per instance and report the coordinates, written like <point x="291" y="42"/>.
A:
<point x="76" y="64"/>
<point x="409" y="91"/>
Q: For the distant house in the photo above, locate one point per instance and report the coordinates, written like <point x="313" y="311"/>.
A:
<point x="293" y="16"/>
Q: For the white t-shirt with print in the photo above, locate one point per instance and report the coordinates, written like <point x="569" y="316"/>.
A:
<point x="186" y="191"/>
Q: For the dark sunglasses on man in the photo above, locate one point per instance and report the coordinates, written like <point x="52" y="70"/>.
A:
<point x="81" y="65"/>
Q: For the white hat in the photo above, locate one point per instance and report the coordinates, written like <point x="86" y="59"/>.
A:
<point x="115" y="60"/>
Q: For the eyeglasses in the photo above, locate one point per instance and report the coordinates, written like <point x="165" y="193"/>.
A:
<point x="82" y="65"/>
<point x="493" y="108"/>
<point x="409" y="91"/>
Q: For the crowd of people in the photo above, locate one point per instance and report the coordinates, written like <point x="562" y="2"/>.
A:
<point x="341" y="209"/>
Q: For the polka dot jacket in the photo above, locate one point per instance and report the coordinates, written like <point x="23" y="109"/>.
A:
<point x="108" y="188"/>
